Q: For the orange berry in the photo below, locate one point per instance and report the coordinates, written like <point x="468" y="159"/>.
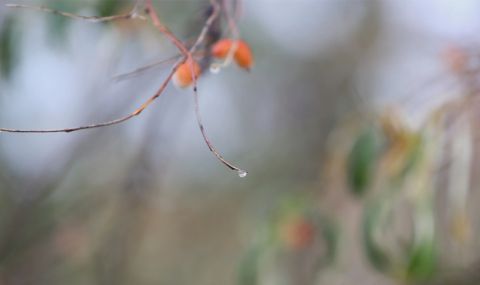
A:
<point x="220" y="49"/>
<point x="243" y="54"/>
<point x="183" y="76"/>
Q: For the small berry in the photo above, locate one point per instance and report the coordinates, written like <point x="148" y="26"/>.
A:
<point x="183" y="76"/>
<point x="243" y="54"/>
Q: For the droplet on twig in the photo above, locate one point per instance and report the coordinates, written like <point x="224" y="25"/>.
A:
<point x="242" y="173"/>
<point x="215" y="68"/>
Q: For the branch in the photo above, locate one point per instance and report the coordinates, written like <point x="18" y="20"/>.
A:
<point x="150" y="10"/>
<point x="142" y="69"/>
<point x="232" y="26"/>
<point x="93" y="19"/>
<point x="145" y="68"/>
<point x="207" y="26"/>
<point x="187" y="56"/>
<point x="211" y="147"/>
<point x="108" y="123"/>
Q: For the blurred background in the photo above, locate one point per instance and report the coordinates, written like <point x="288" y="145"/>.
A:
<point x="357" y="125"/>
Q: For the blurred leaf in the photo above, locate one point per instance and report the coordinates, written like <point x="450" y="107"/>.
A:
<point x="361" y="162"/>
<point x="58" y="25"/>
<point x="423" y="261"/>
<point x="109" y="7"/>
<point x="417" y="261"/>
<point x="413" y="156"/>
<point x="248" y="270"/>
<point x="376" y="255"/>
<point x="9" y="42"/>
<point x="423" y="256"/>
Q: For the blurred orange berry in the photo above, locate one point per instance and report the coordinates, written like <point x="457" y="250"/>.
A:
<point x="456" y="58"/>
<point x="298" y="233"/>
<point x="183" y="76"/>
<point x="243" y="54"/>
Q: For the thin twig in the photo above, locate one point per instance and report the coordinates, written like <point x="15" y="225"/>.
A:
<point x="207" y="26"/>
<point x="144" y="68"/>
<point x="163" y="29"/>
<point x="92" y="19"/>
<point x="238" y="9"/>
<point x="232" y="26"/>
<point x="211" y="147"/>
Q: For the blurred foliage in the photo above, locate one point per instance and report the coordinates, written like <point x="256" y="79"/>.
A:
<point x="400" y="214"/>
<point x="361" y="162"/>
<point x="296" y="232"/>
<point x="109" y="7"/>
<point x="403" y="164"/>
<point x="9" y="43"/>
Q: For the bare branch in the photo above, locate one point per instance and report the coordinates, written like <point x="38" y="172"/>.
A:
<point x="108" y="123"/>
<point x="232" y="26"/>
<point x="150" y="66"/>
<point x="92" y="19"/>
<point x="145" y="68"/>
<point x="163" y="29"/>
<point x="211" y="147"/>
<point x="207" y="26"/>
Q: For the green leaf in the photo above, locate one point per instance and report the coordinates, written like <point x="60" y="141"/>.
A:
<point x="361" y="162"/>
<point x="422" y="261"/>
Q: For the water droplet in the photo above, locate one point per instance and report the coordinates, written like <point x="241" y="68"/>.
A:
<point x="242" y="173"/>
<point x="215" y="68"/>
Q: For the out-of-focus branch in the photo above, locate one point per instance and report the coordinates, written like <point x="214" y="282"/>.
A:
<point x="93" y="19"/>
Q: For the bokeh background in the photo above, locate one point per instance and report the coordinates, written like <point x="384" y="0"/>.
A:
<point x="352" y="126"/>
